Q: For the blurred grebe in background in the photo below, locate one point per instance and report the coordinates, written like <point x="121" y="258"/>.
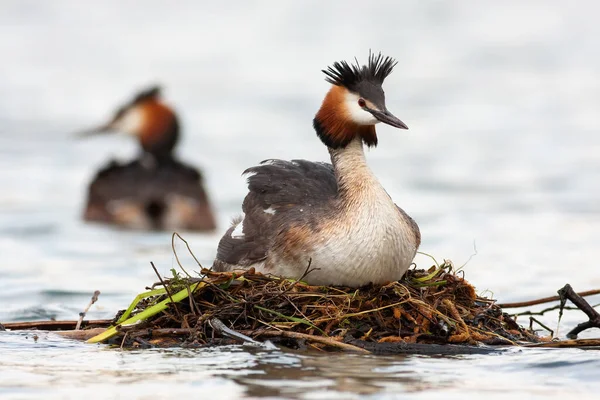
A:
<point x="335" y="218"/>
<point x="155" y="190"/>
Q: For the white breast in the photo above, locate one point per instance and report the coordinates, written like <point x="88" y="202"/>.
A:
<point x="373" y="245"/>
<point x="378" y="247"/>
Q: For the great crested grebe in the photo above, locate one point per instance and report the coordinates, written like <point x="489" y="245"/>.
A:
<point x="336" y="217"/>
<point x="154" y="191"/>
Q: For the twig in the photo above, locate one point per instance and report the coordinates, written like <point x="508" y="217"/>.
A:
<point x="575" y="343"/>
<point x="82" y="314"/>
<point x="318" y="339"/>
<point x="167" y="290"/>
<point x="193" y="304"/>
<point x="470" y="257"/>
<point x="544" y="300"/>
<point x="532" y="320"/>
<point x="189" y="249"/>
<point x="123" y="341"/>
<point x="567" y="293"/>
<point x="542" y="312"/>
<point x="306" y="272"/>
<point x="54" y="325"/>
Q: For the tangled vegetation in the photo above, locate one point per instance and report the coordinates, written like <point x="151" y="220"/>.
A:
<point x="437" y="306"/>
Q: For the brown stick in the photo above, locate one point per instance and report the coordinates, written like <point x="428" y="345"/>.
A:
<point x="576" y="343"/>
<point x="532" y="320"/>
<point x="189" y="250"/>
<point x="81" y="334"/>
<point x="82" y="315"/>
<point x="54" y="325"/>
<point x="318" y="339"/>
<point x="544" y="300"/>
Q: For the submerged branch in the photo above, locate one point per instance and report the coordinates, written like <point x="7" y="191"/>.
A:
<point x="82" y="314"/>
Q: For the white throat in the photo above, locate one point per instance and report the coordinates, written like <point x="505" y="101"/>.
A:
<point x="131" y="123"/>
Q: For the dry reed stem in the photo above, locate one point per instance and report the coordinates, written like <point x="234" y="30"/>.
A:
<point x="317" y="339"/>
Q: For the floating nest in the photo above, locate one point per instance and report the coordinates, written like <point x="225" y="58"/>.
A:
<point x="433" y="307"/>
<point x="433" y="311"/>
<point x="427" y="312"/>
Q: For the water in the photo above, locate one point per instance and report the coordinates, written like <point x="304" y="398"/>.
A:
<point x="501" y="159"/>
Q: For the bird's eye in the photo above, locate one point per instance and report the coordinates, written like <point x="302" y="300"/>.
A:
<point x="362" y="103"/>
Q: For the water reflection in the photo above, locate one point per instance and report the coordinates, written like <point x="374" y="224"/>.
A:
<point x="313" y="375"/>
<point x="237" y="370"/>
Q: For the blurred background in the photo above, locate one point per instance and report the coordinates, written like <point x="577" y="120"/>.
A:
<point x="501" y="159"/>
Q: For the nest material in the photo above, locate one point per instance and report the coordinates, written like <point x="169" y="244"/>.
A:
<point x="425" y="307"/>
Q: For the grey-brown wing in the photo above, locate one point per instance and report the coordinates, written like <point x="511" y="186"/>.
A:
<point x="278" y="191"/>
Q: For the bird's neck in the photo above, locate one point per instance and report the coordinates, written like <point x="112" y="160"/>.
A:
<point x="160" y="144"/>
<point x="356" y="182"/>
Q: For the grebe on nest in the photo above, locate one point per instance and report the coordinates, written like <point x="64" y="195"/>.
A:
<point x="337" y="217"/>
<point x="154" y="191"/>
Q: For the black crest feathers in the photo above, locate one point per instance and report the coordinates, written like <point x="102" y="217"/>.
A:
<point x="149" y="93"/>
<point x="341" y="73"/>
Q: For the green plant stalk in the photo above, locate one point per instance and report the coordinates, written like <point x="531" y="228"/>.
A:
<point x="147" y="313"/>
<point x="137" y="299"/>
<point x="428" y="277"/>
